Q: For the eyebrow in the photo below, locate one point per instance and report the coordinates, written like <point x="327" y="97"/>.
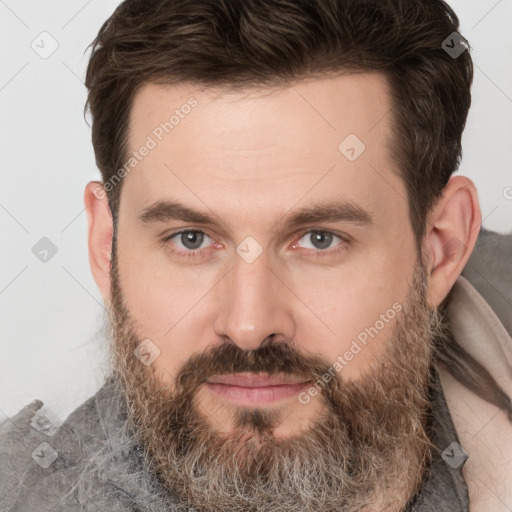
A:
<point x="166" y="210"/>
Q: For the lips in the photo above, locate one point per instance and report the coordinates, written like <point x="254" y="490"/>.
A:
<point x="253" y="380"/>
<point x="253" y="390"/>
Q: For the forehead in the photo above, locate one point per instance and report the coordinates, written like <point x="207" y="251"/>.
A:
<point x="319" y="137"/>
<point x="323" y="110"/>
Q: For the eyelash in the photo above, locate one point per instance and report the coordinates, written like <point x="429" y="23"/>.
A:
<point x="315" y="253"/>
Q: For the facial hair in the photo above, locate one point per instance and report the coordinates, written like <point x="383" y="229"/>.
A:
<point x="367" y="451"/>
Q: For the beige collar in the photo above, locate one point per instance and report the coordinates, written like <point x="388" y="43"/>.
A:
<point x="484" y="430"/>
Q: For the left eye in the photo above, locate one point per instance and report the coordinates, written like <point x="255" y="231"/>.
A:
<point x="321" y="239"/>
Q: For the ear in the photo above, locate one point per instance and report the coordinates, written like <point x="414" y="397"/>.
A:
<point x="101" y="229"/>
<point x="451" y="234"/>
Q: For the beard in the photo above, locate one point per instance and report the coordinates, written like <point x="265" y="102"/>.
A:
<point x="368" y="450"/>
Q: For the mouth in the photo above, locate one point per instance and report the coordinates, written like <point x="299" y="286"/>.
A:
<point x="250" y="389"/>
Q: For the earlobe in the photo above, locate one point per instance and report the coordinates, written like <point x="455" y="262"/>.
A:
<point x="100" y="231"/>
<point x="452" y="231"/>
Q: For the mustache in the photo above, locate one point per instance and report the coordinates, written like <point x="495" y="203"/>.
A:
<point x="229" y="358"/>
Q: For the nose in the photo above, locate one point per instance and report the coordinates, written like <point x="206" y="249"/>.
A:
<point x="255" y="305"/>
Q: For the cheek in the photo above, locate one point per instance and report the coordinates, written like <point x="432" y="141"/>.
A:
<point x="354" y="314"/>
<point x="157" y="292"/>
<point x="361" y="330"/>
<point x="168" y="306"/>
<point x="164" y="309"/>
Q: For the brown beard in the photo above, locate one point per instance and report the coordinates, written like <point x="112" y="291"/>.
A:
<point x="368" y="450"/>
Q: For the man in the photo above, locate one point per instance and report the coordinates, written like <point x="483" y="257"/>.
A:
<point x="279" y="242"/>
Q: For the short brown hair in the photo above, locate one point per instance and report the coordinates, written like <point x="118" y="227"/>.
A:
<point x="259" y="43"/>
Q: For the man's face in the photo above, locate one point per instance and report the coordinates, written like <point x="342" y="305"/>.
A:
<point x="248" y="293"/>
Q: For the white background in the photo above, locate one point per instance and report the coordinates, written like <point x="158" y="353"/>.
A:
<point x="51" y="313"/>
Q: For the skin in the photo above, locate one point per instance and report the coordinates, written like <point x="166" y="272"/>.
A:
<point x="253" y="158"/>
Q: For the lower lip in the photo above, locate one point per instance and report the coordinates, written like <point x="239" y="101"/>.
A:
<point x="255" y="396"/>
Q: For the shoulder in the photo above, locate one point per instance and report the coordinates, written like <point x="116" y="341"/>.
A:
<point x="489" y="270"/>
<point x="39" y="461"/>
<point x="18" y="440"/>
